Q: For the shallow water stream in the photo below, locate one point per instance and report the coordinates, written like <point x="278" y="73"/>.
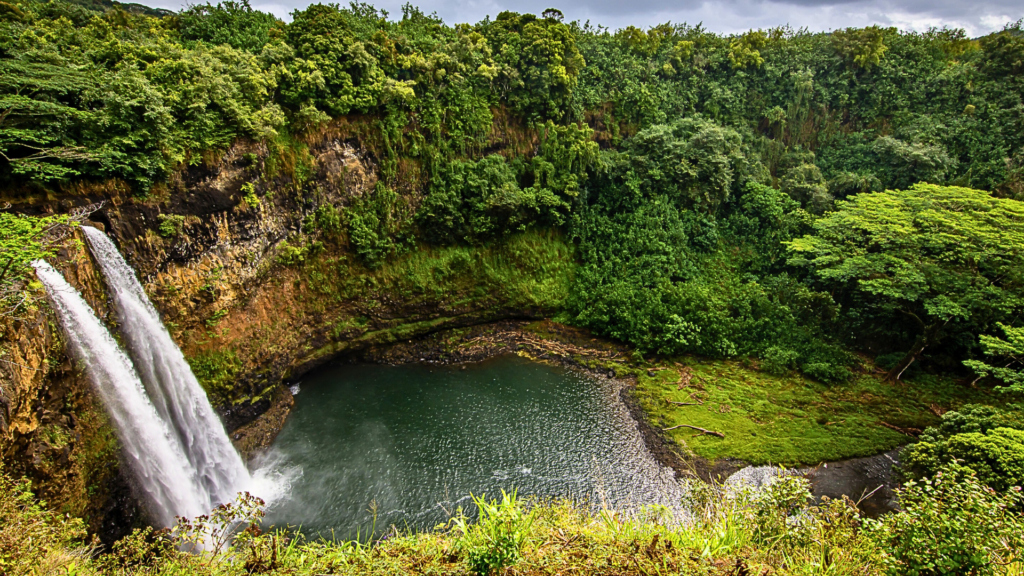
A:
<point x="413" y="441"/>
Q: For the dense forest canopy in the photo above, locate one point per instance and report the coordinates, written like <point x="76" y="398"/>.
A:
<point x="757" y="195"/>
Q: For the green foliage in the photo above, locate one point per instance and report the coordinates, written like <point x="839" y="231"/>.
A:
<point x="529" y="271"/>
<point x="803" y="181"/>
<point x="657" y="272"/>
<point x="492" y="197"/>
<point x="143" y="547"/>
<point x="94" y="100"/>
<point x="1010" y="352"/>
<point x="987" y="440"/>
<point x="330" y="68"/>
<point x="249" y="196"/>
<point x="693" y="162"/>
<point x="862" y="47"/>
<point x="537" y="63"/>
<point x="775" y="528"/>
<point x="951" y="523"/>
<point x="1004" y="51"/>
<point x="216" y="372"/>
<point x="34" y="540"/>
<point x="171" y="225"/>
<point x="378" y="225"/>
<point x="496" y="540"/>
<point x="906" y="163"/>
<point x="233" y="23"/>
<point x="326" y="218"/>
<point x="556" y="536"/>
<point x="24" y="239"/>
<point x="846" y="184"/>
<point x="471" y="200"/>
<point x="944" y="257"/>
<point x="764" y="219"/>
<point x="744" y="49"/>
<point x="779" y="361"/>
<point x="296" y="255"/>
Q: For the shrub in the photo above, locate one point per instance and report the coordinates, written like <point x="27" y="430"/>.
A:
<point x="250" y="197"/>
<point x="34" y="540"/>
<point x="771" y="509"/>
<point x="216" y="372"/>
<point x="778" y="361"/>
<point x="171" y="225"/>
<point x="951" y="523"/>
<point x="378" y="225"/>
<point x="826" y="372"/>
<point x="984" y="439"/>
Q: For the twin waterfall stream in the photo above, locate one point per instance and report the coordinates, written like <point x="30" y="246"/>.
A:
<point x="182" y="461"/>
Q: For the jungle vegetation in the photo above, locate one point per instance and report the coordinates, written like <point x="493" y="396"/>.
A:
<point x="795" y="197"/>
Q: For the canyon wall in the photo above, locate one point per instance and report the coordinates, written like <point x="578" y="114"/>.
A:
<point x="253" y="293"/>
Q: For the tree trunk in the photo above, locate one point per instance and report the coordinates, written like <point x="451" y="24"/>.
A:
<point x="928" y="336"/>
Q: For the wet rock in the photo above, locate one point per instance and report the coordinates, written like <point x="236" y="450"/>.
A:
<point x="869" y="480"/>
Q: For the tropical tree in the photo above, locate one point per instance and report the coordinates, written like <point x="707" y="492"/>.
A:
<point x="931" y="254"/>
<point x="1010" y="354"/>
<point x="233" y="23"/>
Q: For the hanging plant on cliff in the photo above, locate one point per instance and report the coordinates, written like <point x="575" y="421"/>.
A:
<point x="379" y="225"/>
<point x="24" y="239"/>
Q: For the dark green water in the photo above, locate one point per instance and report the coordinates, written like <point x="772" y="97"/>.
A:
<point x="416" y="440"/>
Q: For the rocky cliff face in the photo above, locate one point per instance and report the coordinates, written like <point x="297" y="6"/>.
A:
<point x="253" y="299"/>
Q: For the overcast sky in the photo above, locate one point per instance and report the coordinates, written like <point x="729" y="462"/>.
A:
<point x="977" y="17"/>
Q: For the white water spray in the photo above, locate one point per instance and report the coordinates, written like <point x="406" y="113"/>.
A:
<point x="163" y="472"/>
<point x="169" y="380"/>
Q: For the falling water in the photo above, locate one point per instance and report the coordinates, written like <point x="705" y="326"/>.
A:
<point x="163" y="472"/>
<point x="172" y="386"/>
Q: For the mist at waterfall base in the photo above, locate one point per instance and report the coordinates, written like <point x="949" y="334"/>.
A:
<point x="414" y="441"/>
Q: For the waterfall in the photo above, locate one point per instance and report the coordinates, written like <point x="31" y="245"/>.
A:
<point x="169" y="380"/>
<point x="162" y="470"/>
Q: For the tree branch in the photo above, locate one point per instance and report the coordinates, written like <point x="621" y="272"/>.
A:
<point x="698" y="428"/>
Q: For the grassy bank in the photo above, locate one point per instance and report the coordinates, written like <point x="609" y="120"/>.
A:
<point x="772" y="531"/>
<point x="767" y="419"/>
<point x="792" y="419"/>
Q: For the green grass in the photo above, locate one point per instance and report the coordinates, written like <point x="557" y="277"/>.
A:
<point x="793" y="420"/>
<point x="533" y="538"/>
<point x="723" y="535"/>
<point x="532" y="269"/>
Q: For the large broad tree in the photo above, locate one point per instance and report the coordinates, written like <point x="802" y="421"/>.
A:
<point x="932" y="254"/>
